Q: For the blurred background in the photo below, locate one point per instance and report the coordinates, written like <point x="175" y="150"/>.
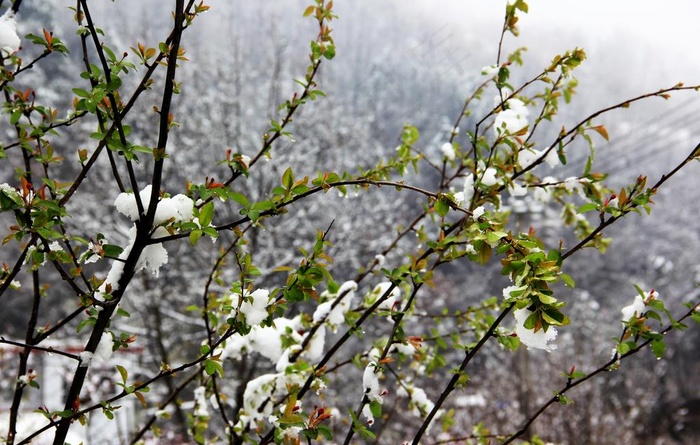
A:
<point x="415" y="61"/>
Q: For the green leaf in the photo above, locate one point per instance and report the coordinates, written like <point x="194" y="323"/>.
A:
<point x="658" y="347"/>
<point x="410" y="135"/>
<point x="194" y="236"/>
<point x="240" y="199"/>
<point x="81" y="93"/>
<point x="206" y="214"/>
<point x="531" y="321"/>
<point x="546" y="299"/>
<point x="288" y="178"/>
<point x="325" y="431"/>
<point x="441" y="206"/>
<point x="494" y="237"/>
<point x="263" y="206"/>
<point x="123" y="372"/>
<point x="212" y="367"/>
<point x="122" y="313"/>
<point x="309" y="10"/>
<point x="568" y="281"/>
<point x="329" y="53"/>
<point x="376" y="408"/>
<point x="588" y="207"/>
<point x="484" y="254"/>
<point x="111" y="250"/>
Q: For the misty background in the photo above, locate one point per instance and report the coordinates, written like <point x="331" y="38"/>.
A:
<point x="415" y="61"/>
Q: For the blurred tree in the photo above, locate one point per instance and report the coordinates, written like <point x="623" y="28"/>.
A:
<point x="346" y="281"/>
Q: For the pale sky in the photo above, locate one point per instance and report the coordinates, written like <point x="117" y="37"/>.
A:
<point x="650" y="41"/>
<point x="664" y="34"/>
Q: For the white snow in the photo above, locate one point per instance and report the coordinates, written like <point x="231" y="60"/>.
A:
<point x="527" y="157"/>
<point x="518" y="189"/>
<point x="448" y="151"/>
<point x="468" y="191"/>
<point x="489" y="177"/>
<point x="530" y="338"/>
<point x="401" y="348"/>
<point x="458" y="198"/>
<point x="379" y="290"/>
<point x="85" y="359"/>
<point x="512" y="119"/>
<point x="104" y="347"/>
<point x="552" y="158"/>
<point x="422" y="405"/>
<point x="153" y="256"/>
<point x="177" y="208"/>
<point x="200" y="402"/>
<point x="257" y="392"/>
<point x="256" y="311"/>
<point x="335" y="316"/>
<point x="478" y="212"/>
<point x="9" y="40"/>
<point x="370" y="386"/>
<point x="636" y="309"/>
<point x="370" y="382"/>
<point x="490" y="70"/>
<point x="419" y="403"/>
<point x="315" y="347"/>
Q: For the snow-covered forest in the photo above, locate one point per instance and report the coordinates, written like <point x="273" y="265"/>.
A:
<point x="340" y="222"/>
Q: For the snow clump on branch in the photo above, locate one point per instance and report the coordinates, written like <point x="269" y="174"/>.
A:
<point x="335" y="316"/>
<point x="512" y="118"/>
<point x="179" y="208"/>
<point x="254" y="307"/>
<point x="537" y="340"/>
<point x="638" y="306"/>
<point x="9" y="40"/>
<point x="371" y="390"/>
<point x="448" y="151"/>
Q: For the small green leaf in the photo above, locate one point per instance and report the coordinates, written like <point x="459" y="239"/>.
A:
<point x="309" y="10"/>
<point x="588" y="207"/>
<point x="206" y="213"/>
<point x="441" y="206"/>
<point x="376" y="408"/>
<point x="111" y="250"/>
<point x="240" y="199"/>
<point x="123" y="372"/>
<point x="658" y="347"/>
<point x="194" y="236"/>
<point x="212" y="367"/>
<point x="568" y="281"/>
<point x="288" y="178"/>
